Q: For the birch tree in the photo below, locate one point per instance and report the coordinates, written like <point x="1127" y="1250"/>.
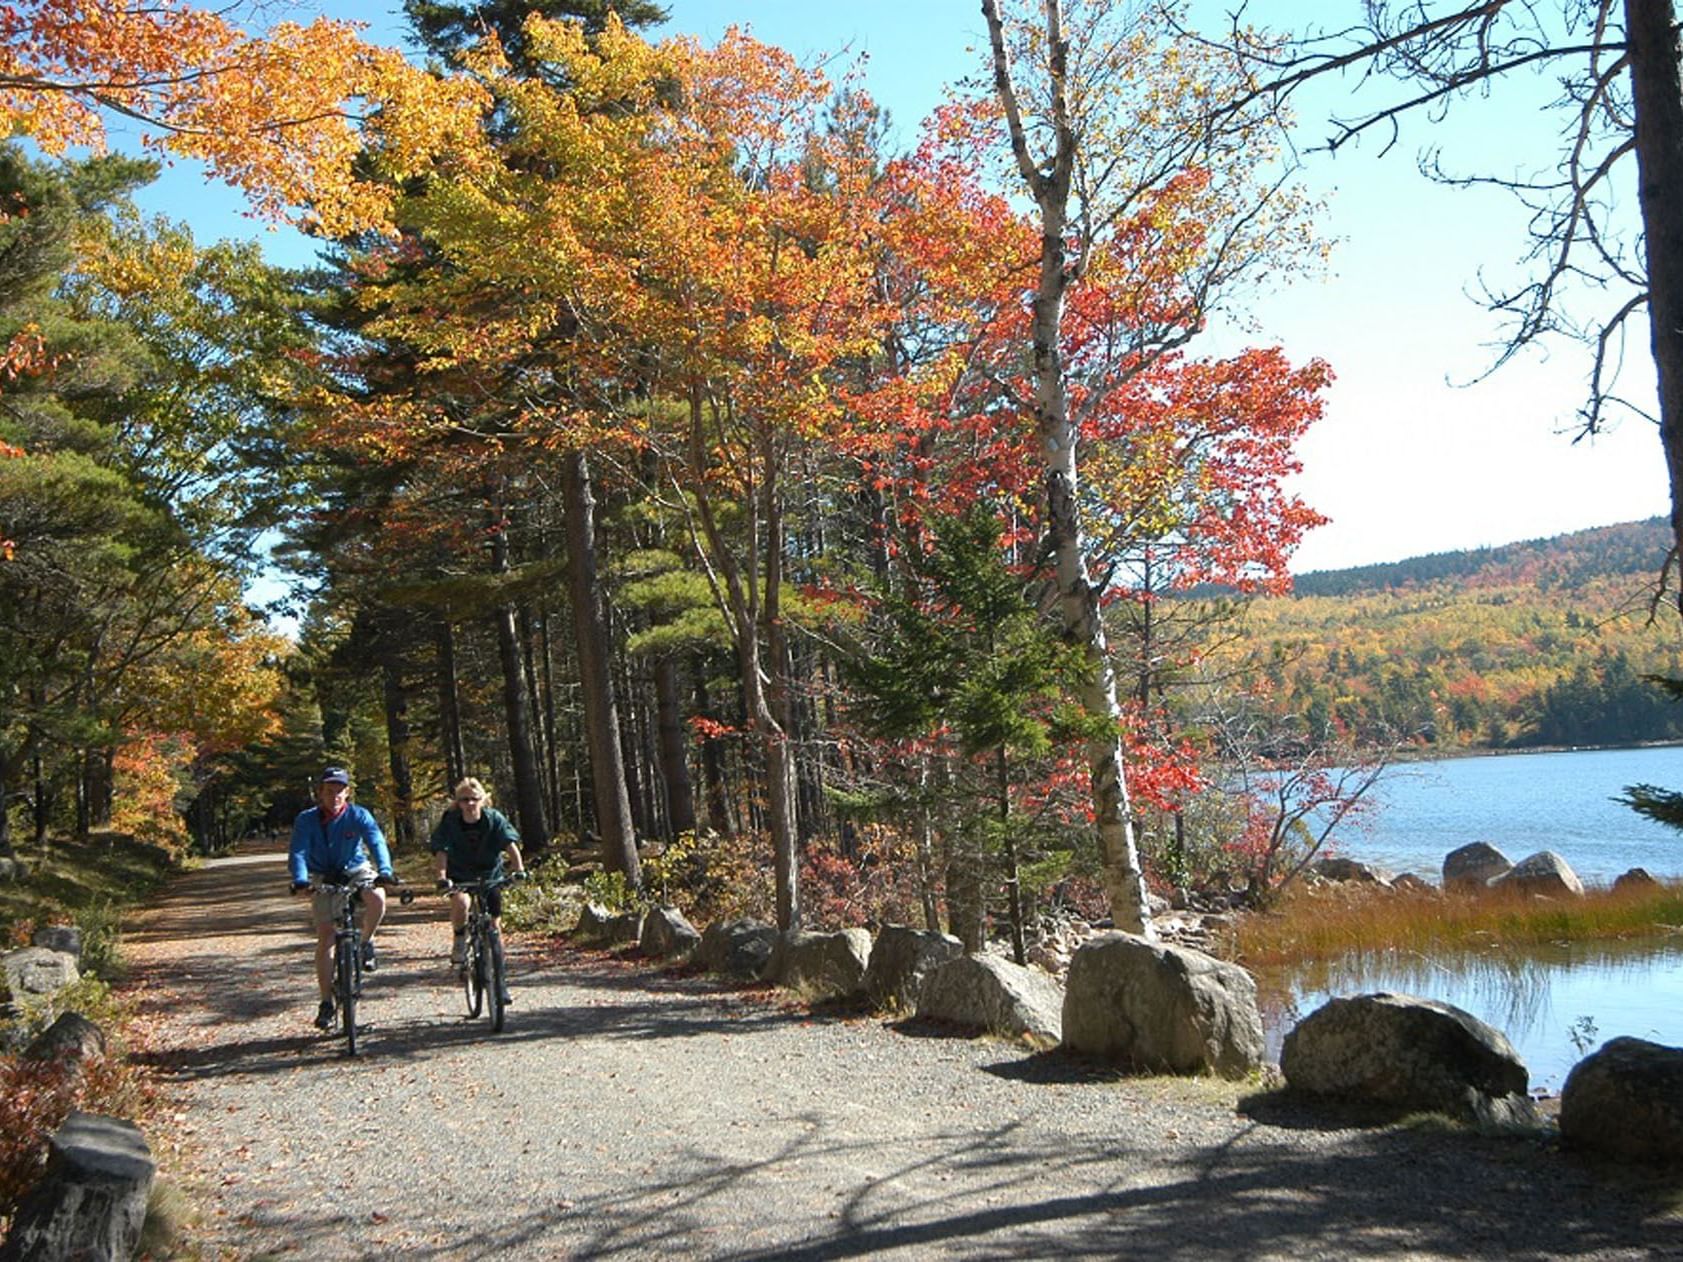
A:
<point x="1109" y="125"/>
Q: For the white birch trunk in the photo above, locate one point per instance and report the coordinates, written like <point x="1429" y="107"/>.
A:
<point x="1124" y="883"/>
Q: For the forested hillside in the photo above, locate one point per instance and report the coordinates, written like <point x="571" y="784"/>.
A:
<point x="1538" y="643"/>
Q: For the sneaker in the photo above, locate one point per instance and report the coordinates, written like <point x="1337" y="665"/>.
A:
<point x="505" y="998"/>
<point x="324" y="1015"/>
<point x="370" y="961"/>
<point x="458" y="950"/>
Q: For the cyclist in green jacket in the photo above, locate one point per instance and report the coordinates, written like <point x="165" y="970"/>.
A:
<point x="470" y="843"/>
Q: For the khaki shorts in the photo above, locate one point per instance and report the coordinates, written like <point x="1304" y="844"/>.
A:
<point x="328" y="905"/>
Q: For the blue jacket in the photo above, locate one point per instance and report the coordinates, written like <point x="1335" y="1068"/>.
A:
<point x="352" y="839"/>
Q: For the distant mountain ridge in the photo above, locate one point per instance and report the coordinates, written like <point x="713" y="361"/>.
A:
<point x="1547" y="642"/>
<point x="1569" y="560"/>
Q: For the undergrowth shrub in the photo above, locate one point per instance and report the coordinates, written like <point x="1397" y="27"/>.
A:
<point x="35" y="1098"/>
<point x="30" y="1014"/>
<point x="709" y="877"/>
<point x="876" y="885"/>
<point x="540" y="906"/>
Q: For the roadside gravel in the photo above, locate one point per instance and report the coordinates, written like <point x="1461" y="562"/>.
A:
<point x="629" y="1113"/>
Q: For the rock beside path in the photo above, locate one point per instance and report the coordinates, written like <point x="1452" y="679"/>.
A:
<point x="823" y="965"/>
<point x="901" y="958"/>
<point x="38" y="971"/>
<point x="1410" y="1053"/>
<point x="90" y="1205"/>
<point x="984" y="992"/>
<point x="740" y="949"/>
<point x="1149" y="1006"/>
<point x="1626" y="1101"/>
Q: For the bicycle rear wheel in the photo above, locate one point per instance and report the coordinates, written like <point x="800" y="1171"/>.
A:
<point x="474" y="975"/>
<point x="348" y="982"/>
<point x="494" y="984"/>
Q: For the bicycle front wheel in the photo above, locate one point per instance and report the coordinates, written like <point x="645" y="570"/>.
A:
<point x="494" y="984"/>
<point x="473" y="977"/>
<point x="348" y="983"/>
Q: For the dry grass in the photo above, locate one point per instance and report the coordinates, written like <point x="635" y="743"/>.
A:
<point x="1340" y="920"/>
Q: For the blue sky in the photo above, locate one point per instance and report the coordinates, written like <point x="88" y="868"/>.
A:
<point x="1409" y="459"/>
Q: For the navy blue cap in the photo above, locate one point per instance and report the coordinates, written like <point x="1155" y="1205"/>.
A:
<point x="336" y="775"/>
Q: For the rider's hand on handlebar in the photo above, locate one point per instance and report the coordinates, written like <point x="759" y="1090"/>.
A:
<point x="387" y="881"/>
<point x="298" y="887"/>
<point x="521" y="875"/>
<point x="444" y="885"/>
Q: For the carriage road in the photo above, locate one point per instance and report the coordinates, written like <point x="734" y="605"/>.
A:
<point x="629" y="1113"/>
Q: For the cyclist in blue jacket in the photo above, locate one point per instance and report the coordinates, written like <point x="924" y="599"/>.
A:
<point x="336" y="840"/>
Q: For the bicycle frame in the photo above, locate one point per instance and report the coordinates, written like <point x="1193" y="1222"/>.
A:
<point x="482" y="976"/>
<point x="347" y="956"/>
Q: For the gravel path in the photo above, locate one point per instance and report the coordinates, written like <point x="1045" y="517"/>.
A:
<point x="626" y="1113"/>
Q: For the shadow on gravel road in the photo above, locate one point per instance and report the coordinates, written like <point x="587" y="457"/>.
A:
<point x="991" y="1193"/>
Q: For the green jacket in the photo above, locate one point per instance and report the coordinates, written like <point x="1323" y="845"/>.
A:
<point x="470" y="857"/>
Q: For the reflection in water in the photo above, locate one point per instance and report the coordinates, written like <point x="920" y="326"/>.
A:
<point x="1537" y="997"/>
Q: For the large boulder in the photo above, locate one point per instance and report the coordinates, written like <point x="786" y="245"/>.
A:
<point x="37" y="971"/>
<point x="1409" y="1053"/>
<point x="65" y="938"/>
<point x="1635" y="881"/>
<point x="71" y="1037"/>
<point x="1148" y="1005"/>
<point x="823" y="965"/>
<point x="626" y="927"/>
<point x="91" y="1202"/>
<point x="667" y="935"/>
<point x="1626" y="1101"/>
<point x="1473" y="866"/>
<point x="594" y="920"/>
<point x="1353" y="870"/>
<point x="741" y="948"/>
<point x="900" y="959"/>
<point x="1544" y="873"/>
<point x="984" y="992"/>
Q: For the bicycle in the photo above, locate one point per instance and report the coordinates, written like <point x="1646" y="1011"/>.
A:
<point x="347" y="950"/>
<point x="482" y="967"/>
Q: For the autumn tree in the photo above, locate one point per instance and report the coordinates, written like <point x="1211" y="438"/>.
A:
<point x="285" y="115"/>
<point x="1107" y="130"/>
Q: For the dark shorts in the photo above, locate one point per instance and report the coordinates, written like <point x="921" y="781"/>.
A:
<point x="493" y="899"/>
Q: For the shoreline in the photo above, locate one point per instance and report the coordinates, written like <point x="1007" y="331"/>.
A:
<point x="1412" y="755"/>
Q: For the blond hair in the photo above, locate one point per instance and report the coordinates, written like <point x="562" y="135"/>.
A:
<point x="470" y="783"/>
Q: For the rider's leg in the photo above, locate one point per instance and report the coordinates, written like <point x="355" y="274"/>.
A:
<point x="373" y="910"/>
<point x="458" y="928"/>
<point x="324" y="959"/>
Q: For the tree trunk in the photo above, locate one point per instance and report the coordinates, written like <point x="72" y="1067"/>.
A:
<point x="449" y="709"/>
<point x="720" y="817"/>
<point x="397" y="749"/>
<point x="674" y="750"/>
<point x="1657" y="96"/>
<point x="534" y="701"/>
<point x="1079" y="600"/>
<point x="528" y="789"/>
<point x="551" y="735"/>
<point x="752" y="599"/>
<point x="596" y="681"/>
<point x="6" y="765"/>
<point x="98" y="777"/>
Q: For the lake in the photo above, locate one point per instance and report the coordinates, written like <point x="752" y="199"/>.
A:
<point x="1553" y="1004"/>
<point x="1522" y="803"/>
